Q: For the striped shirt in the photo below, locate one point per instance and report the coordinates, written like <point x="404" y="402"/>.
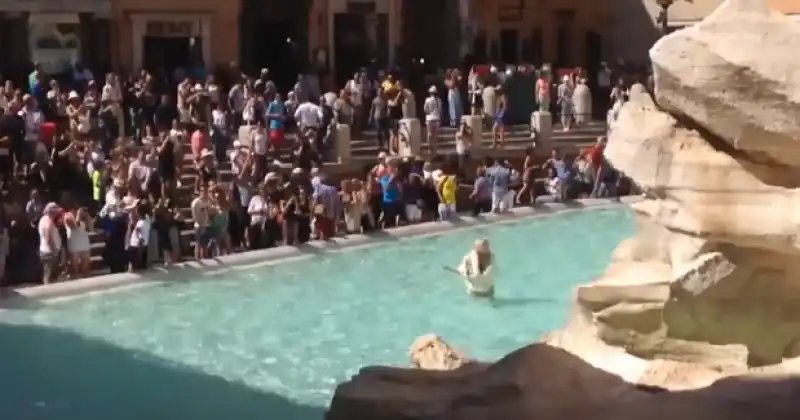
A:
<point x="328" y="196"/>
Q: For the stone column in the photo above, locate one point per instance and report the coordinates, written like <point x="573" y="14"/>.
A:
<point x="542" y="124"/>
<point x="410" y="137"/>
<point x="342" y="137"/>
<point x="475" y="123"/>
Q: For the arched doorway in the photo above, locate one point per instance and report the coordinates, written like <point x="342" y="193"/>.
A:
<point x="274" y="35"/>
<point x="360" y="39"/>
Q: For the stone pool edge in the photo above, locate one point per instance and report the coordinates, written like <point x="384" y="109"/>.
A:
<point x="108" y="282"/>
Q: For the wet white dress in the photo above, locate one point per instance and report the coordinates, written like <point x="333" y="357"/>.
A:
<point x="477" y="283"/>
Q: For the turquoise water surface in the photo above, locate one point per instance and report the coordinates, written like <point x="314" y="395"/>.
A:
<point x="272" y="342"/>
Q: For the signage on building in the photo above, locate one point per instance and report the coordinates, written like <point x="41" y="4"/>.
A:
<point x="511" y="10"/>
<point x="56" y="6"/>
<point x="172" y="29"/>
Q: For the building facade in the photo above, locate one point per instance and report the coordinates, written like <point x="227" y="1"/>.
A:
<point x="54" y="33"/>
<point x="174" y="33"/>
<point x="565" y="33"/>
<point x="285" y="36"/>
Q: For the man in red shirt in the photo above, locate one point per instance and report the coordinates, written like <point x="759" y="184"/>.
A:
<point x="597" y="160"/>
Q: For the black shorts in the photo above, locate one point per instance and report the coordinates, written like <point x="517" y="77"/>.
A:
<point x="392" y="211"/>
<point x="24" y="152"/>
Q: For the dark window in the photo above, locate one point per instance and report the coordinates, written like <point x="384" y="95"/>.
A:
<point x="509" y="46"/>
<point x="564" y="27"/>
<point x="534" y="52"/>
<point x="479" y="48"/>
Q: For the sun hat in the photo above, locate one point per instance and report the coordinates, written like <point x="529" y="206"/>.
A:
<point x="272" y="176"/>
<point x="73" y="95"/>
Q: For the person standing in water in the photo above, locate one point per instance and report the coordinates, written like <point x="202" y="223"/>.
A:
<point x="476" y="269"/>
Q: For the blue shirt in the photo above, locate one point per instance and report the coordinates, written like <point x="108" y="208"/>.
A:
<point x="499" y="177"/>
<point x="390" y="190"/>
<point x="31" y="81"/>
<point x="275" y="108"/>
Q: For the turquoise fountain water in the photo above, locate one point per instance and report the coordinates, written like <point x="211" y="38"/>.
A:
<point x="272" y="342"/>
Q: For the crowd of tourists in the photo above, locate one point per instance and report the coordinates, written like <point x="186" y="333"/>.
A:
<point x="140" y="162"/>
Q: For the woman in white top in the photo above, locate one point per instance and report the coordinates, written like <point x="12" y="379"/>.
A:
<point x="259" y="141"/>
<point x="433" y="116"/>
<point x="138" y="238"/>
<point x="476" y="269"/>
<point x="78" y="244"/>
<point x="355" y="90"/>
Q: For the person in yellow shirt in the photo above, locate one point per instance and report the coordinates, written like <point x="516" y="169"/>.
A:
<point x="389" y="86"/>
<point x="447" y="186"/>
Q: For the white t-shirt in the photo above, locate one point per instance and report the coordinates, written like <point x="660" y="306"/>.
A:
<point x="219" y="120"/>
<point x="260" y="141"/>
<point x="553" y="186"/>
<point x="432" y="108"/>
<point x="308" y="115"/>
<point x="140" y="236"/>
<point x="236" y="98"/>
<point x="355" y="90"/>
<point x="33" y="124"/>
<point x="44" y="246"/>
<point x="139" y="170"/>
<point x="255" y="207"/>
<point x="462" y="143"/>
<point x="200" y="212"/>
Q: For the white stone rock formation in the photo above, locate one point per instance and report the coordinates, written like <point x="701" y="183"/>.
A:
<point x="431" y="352"/>
<point x="710" y="284"/>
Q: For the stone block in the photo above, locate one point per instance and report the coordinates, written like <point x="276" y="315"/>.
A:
<point x="475" y="124"/>
<point x="542" y="126"/>
<point x="410" y="137"/>
<point x="343" y="139"/>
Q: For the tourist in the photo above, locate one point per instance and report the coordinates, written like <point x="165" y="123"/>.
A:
<point x="433" y="116"/>
<point x="139" y="224"/>
<point x="500" y="178"/>
<point x="499" y="119"/>
<point x="50" y="245"/>
<point x="447" y="188"/>
<point x="79" y="247"/>
<point x="200" y="209"/>
<point x="481" y="195"/>
<point x="564" y="102"/>
<point x="476" y="269"/>
<point x="326" y="207"/>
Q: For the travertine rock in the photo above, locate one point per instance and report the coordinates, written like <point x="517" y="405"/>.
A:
<point x="710" y="285"/>
<point x="431" y="352"/>
<point x="733" y="75"/>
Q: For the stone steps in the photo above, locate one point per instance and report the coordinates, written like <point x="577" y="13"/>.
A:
<point x="364" y="150"/>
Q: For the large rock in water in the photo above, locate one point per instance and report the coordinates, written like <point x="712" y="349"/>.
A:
<point x="431" y="352"/>
<point x="539" y="382"/>
<point x="710" y="285"/>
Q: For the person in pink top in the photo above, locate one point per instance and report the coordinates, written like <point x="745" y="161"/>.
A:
<point x="199" y="141"/>
<point x="543" y="91"/>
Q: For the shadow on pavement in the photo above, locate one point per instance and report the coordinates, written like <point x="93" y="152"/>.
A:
<point x="52" y="374"/>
